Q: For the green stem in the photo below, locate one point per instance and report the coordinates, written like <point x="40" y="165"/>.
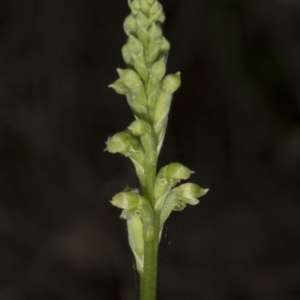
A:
<point x="148" y="278"/>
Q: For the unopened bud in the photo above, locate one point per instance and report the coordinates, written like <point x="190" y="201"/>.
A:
<point x="161" y="18"/>
<point x="138" y="101"/>
<point x="153" y="50"/>
<point x="141" y="67"/>
<point x="155" y="32"/>
<point x="126" y="200"/>
<point x="145" y="7"/>
<point x="139" y="127"/>
<point x="135" y="46"/>
<point x="167" y="178"/>
<point x="164" y="46"/>
<point x="119" y="143"/>
<point x="158" y="70"/>
<point x="129" y="78"/>
<point x="130" y="25"/>
<point x="171" y="83"/>
<point x="155" y="11"/>
<point x="142" y="20"/>
<point x="135" y="6"/>
<point x="176" y="171"/>
<point x="119" y="87"/>
<point x="126" y="54"/>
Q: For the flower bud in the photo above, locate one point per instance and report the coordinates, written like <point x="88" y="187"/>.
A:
<point x="142" y="28"/>
<point x="150" y="2"/>
<point x="171" y="83"/>
<point x="138" y="102"/>
<point x="135" y="46"/>
<point x="145" y="7"/>
<point x="168" y="177"/>
<point x="153" y="48"/>
<point x="155" y="32"/>
<point x="158" y="70"/>
<point x="126" y="200"/>
<point x="178" y="197"/>
<point x="137" y="97"/>
<point x="130" y="25"/>
<point x="139" y="127"/>
<point x="189" y="192"/>
<point x="119" y="87"/>
<point x="143" y="35"/>
<point x="142" y="20"/>
<point x="141" y="67"/>
<point x="164" y="46"/>
<point x="135" y="6"/>
<point x="155" y="12"/>
<point x="119" y="143"/>
<point x="175" y="172"/>
<point x="136" y="49"/>
<point x="126" y="54"/>
<point x="152" y="52"/>
<point x="129" y="78"/>
<point x="161" y="18"/>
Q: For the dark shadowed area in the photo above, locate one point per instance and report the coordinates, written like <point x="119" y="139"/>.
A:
<point x="235" y="121"/>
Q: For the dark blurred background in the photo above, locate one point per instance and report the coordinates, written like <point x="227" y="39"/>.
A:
<point x="235" y="121"/>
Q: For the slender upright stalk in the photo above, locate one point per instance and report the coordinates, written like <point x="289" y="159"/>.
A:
<point x="148" y="278"/>
<point x="149" y="94"/>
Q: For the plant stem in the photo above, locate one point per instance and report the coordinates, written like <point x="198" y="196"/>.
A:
<point x="148" y="277"/>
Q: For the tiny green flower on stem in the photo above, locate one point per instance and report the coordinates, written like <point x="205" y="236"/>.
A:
<point x="139" y="127"/>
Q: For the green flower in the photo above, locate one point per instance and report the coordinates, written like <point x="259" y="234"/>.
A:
<point x="139" y="127"/>
<point x="178" y="197"/>
<point x="119" y="143"/>
<point x="167" y="178"/>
